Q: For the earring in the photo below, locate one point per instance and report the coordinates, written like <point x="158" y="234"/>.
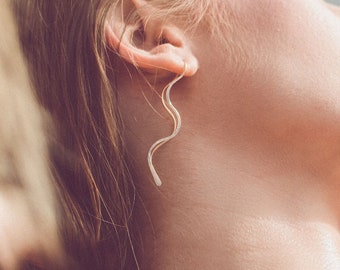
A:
<point x="166" y="100"/>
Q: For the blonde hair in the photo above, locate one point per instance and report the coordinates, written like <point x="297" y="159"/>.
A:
<point x="65" y="47"/>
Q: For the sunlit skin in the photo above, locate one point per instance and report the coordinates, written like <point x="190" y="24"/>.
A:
<point x="252" y="180"/>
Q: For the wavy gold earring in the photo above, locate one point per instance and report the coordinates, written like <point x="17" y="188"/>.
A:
<point x="166" y="100"/>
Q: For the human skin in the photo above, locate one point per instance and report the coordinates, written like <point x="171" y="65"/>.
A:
<point x="251" y="181"/>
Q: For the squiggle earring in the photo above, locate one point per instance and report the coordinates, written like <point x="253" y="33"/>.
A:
<point x="166" y="100"/>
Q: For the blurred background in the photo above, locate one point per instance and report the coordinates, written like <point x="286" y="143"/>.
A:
<point x="337" y="2"/>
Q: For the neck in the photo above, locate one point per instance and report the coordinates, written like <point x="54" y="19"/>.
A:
<point x="233" y="198"/>
<point x="238" y="204"/>
<point x="239" y="208"/>
<point x="251" y="180"/>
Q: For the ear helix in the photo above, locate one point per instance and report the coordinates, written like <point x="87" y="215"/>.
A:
<point x="166" y="100"/>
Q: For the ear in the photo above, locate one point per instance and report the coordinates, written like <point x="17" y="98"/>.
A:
<point x="153" y="45"/>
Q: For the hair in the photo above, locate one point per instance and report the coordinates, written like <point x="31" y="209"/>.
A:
<point x="64" y="44"/>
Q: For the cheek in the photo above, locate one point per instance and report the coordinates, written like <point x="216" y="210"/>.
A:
<point x="284" y="78"/>
<point x="265" y="15"/>
<point x="279" y="20"/>
<point x="291" y="55"/>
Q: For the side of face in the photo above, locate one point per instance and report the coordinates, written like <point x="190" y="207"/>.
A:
<point x="280" y="71"/>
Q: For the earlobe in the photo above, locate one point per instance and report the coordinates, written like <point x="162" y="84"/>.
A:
<point x="164" y="47"/>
